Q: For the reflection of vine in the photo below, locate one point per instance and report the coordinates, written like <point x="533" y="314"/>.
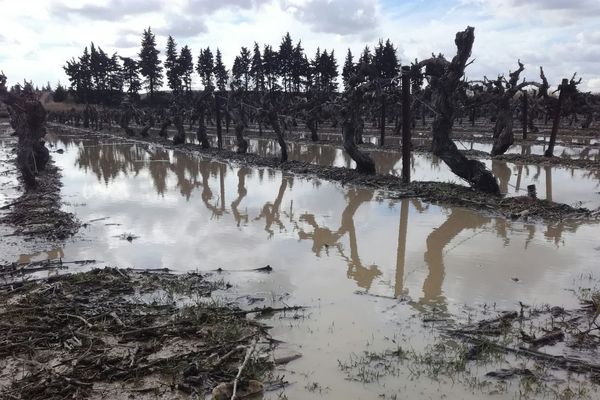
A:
<point x="270" y="212"/>
<point x="108" y="161"/>
<point x="324" y="237"/>
<point x="242" y="192"/>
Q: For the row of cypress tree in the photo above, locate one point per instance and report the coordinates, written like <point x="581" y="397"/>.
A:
<point x="98" y="77"/>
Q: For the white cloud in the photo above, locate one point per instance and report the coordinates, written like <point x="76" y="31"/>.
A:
<point x="36" y="42"/>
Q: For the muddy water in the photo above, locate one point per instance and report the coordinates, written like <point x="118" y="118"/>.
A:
<point x="572" y="186"/>
<point x="342" y="251"/>
<point x="328" y="245"/>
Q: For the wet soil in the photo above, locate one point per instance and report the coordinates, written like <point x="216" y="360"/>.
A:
<point x="37" y="213"/>
<point x="118" y="334"/>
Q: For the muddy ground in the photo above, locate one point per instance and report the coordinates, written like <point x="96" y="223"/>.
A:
<point x="119" y="334"/>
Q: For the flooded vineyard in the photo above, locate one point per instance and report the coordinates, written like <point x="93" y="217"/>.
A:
<point x="416" y="219"/>
<point x="405" y="264"/>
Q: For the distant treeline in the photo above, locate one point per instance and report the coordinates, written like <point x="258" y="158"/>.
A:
<point x="97" y="77"/>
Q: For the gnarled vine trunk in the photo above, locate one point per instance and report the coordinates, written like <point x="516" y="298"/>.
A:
<point x="274" y="122"/>
<point x="364" y="163"/>
<point x="445" y="79"/>
<point x="179" y="137"/>
<point x="201" y="131"/>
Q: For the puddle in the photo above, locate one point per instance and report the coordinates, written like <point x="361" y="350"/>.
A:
<point x="341" y="251"/>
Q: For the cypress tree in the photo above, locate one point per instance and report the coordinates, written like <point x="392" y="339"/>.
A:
<point x="348" y="68"/>
<point x="150" y="67"/>
<point x="256" y="69"/>
<point x="131" y="76"/>
<point x="220" y="72"/>
<point x="172" y="66"/>
<point x="185" y="65"/>
<point x="206" y="66"/>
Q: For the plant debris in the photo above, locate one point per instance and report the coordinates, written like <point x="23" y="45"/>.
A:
<point x="37" y="212"/>
<point x="115" y="333"/>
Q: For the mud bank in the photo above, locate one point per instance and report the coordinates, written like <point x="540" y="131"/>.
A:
<point x="36" y="214"/>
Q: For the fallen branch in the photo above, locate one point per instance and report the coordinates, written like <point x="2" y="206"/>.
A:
<point x="249" y="352"/>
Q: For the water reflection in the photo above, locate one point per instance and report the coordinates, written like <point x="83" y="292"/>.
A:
<point x="323" y="237"/>
<point x="577" y="187"/>
<point x="261" y="203"/>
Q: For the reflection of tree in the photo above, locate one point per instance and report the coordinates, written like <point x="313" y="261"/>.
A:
<point x="548" y="171"/>
<point x="364" y="276"/>
<point x="185" y="168"/>
<point x="158" y="167"/>
<point x="324" y="238"/>
<point x="458" y="220"/>
<point x="270" y="211"/>
<point x="503" y="173"/>
<point x="108" y="161"/>
<point x="386" y="161"/>
<point x="241" y="190"/>
<point x="206" y="167"/>
<point x="401" y="250"/>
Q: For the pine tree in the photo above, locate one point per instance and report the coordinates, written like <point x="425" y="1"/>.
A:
<point x="131" y="76"/>
<point x="270" y="67"/>
<point x="299" y="68"/>
<point x="205" y="67"/>
<point x="348" y="68"/>
<point x="328" y="70"/>
<point x="114" y="80"/>
<point x="185" y="65"/>
<point x="150" y="67"/>
<point x="80" y="76"/>
<point x="60" y="93"/>
<point x="385" y="61"/>
<point x="256" y="69"/>
<point x="246" y="62"/>
<point x="315" y="68"/>
<point x="286" y="50"/>
<point x="172" y="69"/>
<point x="391" y="61"/>
<point x="365" y="63"/>
<point x="241" y="69"/>
<point x="221" y="74"/>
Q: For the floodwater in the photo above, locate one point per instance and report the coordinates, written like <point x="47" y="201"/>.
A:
<point x="573" y="186"/>
<point x="342" y="251"/>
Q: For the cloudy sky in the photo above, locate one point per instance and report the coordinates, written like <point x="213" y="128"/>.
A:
<point x="37" y="36"/>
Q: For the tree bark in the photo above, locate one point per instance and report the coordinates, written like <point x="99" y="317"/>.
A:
<point x="179" y="137"/>
<point x="218" y="117"/>
<point x="274" y="122"/>
<point x="445" y="79"/>
<point x="555" y="124"/>
<point x="364" y="163"/>
<point x="201" y="131"/>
